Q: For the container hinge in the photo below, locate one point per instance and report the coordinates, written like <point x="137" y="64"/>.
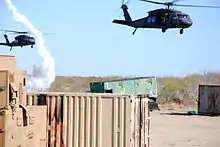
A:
<point x="43" y="142"/>
<point x="19" y="122"/>
<point x="30" y="135"/>
<point x="2" y="130"/>
<point x="29" y="115"/>
<point x="2" y="112"/>
<point x="31" y="120"/>
<point x="2" y="88"/>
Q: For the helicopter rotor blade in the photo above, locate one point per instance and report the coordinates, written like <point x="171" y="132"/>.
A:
<point x="48" y="33"/>
<point x="17" y="32"/>
<point x="44" y="33"/>
<point x="127" y="3"/>
<point x="196" y="6"/>
<point x="123" y="3"/>
<point x="153" y="2"/>
<point x="174" y="1"/>
<point x="25" y="32"/>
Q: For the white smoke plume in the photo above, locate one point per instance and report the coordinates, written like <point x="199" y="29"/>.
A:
<point x="44" y="74"/>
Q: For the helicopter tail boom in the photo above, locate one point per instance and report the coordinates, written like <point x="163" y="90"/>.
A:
<point x="122" y="22"/>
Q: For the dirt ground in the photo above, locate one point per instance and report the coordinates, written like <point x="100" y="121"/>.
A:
<point x="179" y="130"/>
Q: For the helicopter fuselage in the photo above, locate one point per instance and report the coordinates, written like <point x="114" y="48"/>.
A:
<point x="158" y="19"/>
<point x="20" y="40"/>
<point x="174" y="19"/>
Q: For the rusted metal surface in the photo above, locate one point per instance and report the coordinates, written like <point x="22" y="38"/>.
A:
<point x="209" y="99"/>
<point x="95" y="120"/>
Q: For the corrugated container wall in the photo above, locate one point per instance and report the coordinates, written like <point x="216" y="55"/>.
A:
<point x="209" y="99"/>
<point x="95" y="120"/>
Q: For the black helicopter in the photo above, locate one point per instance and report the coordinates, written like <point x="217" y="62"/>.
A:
<point x="20" y="40"/>
<point x="160" y="18"/>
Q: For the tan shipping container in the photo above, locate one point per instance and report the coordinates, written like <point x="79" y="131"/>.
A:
<point x="209" y="100"/>
<point x="19" y="126"/>
<point x="95" y="120"/>
<point x="8" y="62"/>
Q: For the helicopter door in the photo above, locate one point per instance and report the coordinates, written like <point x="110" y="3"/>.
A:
<point x="159" y="19"/>
<point x="173" y="19"/>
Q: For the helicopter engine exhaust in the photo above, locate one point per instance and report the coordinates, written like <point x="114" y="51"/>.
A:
<point x="44" y="74"/>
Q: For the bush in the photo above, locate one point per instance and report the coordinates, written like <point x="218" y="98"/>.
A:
<point x="170" y="89"/>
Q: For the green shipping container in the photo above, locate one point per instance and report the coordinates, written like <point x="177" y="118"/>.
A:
<point x="98" y="87"/>
<point x="140" y="85"/>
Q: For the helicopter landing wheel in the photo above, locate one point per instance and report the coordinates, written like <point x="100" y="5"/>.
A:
<point x="181" y="31"/>
<point x="164" y="30"/>
<point x="31" y="46"/>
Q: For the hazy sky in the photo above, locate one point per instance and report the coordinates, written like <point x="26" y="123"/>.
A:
<point x="88" y="43"/>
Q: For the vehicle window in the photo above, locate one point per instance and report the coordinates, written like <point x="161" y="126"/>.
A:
<point x="153" y="19"/>
<point x="182" y="16"/>
<point x="173" y="17"/>
<point x="149" y="19"/>
<point x="179" y="15"/>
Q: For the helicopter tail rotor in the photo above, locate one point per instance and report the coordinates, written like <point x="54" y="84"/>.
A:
<point x="124" y="8"/>
<point x="123" y="5"/>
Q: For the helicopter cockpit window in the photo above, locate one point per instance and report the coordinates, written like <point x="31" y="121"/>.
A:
<point x="182" y="16"/>
<point x="31" y="39"/>
<point x="173" y="17"/>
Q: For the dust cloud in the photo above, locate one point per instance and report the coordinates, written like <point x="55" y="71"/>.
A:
<point x="44" y="74"/>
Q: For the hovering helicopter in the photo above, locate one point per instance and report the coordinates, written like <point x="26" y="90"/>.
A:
<point x="160" y="18"/>
<point x="20" y="40"/>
